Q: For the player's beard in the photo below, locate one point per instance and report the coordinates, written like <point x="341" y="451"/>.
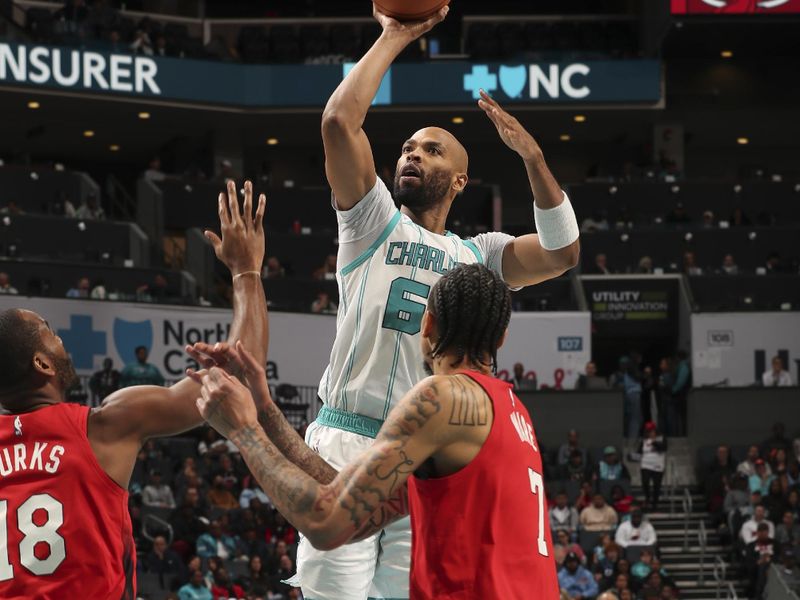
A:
<point x="431" y="191"/>
<point x="67" y="377"/>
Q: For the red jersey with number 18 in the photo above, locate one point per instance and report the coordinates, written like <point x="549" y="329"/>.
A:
<point x="483" y="531"/>
<point x="65" y="531"/>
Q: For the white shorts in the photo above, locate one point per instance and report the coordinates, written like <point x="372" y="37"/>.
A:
<point x="377" y="567"/>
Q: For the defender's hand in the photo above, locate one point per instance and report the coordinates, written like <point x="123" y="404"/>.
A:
<point x="226" y="403"/>
<point x="241" y="247"/>
<point x="511" y="131"/>
<point x="409" y="30"/>
<point x="236" y="361"/>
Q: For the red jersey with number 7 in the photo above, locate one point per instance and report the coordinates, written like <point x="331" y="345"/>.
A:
<point x="65" y="531"/>
<point x="483" y="532"/>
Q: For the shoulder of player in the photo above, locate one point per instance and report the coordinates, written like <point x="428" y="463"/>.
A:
<point x="439" y="397"/>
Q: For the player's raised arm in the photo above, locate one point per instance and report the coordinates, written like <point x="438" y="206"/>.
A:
<point x="131" y="415"/>
<point x="367" y="494"/>
<point x="349" y="165"/>
<point x="530" y="259"/>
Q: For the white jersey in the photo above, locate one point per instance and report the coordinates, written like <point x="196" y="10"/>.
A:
<point x="387" y="268"/>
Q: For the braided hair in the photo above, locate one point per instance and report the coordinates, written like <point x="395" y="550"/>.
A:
<point x="472" y="306"/>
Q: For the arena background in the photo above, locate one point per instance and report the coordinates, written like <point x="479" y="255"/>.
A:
<point x="673" y="126"/>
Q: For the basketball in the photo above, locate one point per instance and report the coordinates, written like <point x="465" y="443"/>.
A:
<point x="410" y="10"/>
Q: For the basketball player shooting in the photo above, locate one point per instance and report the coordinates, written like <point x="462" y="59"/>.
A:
<point x="389" y="260"/>
<point x="459" y="449"/>
<point x="65" y="530"/>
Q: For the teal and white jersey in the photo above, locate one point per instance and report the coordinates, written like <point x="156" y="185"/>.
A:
<point x="387" y="268"/>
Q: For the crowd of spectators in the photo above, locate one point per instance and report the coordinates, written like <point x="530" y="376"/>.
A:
<point x="602" y="538"/>
<point x="754" y="499"/>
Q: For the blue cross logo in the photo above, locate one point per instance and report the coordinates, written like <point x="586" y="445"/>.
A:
<point x="478" y="79"/>
<point x="82" y="341"/>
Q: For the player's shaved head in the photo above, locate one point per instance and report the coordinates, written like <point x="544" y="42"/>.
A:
<point x="20" y="339"/>
<point x="456" y="150"/>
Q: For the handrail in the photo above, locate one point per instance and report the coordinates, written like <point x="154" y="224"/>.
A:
<point x="719" y="571"/>
<point x="702" y="539"/>
<point x="669" y="478"/>
<point x="161" y="523"/>
<point x="686" y="502"/>
<point x="732" y="595"/>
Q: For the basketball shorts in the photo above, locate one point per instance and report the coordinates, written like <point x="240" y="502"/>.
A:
<point x="374" y="568"/>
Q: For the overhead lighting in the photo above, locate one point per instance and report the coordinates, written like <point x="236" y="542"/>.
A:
<point x="457" y="120"/>
<point x="565" y="137"/>
<point x="33" y="105"/>
<point x="88" y="133"/>
<point x="726" y="54"/>
<point x="272" y="141"/>
<point x="580" y="118"/>
<point x="742" y="141"/>
<point x="114" y="147"/>
<point x="144" y="115"/>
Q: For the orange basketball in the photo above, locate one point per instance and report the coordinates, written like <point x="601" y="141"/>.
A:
<point x="410" y="10"/>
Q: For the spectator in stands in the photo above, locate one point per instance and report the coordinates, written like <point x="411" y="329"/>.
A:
<point x="679" y="393"/>
<point x="787" y="534"/>
<point x="252" y="490"/>
<point x="575" y="469"/>
<point x="774" y="500"/>
<point x="273" y="269"/>
<point x="788" y="568"/>
<point x="717" y="477"/>
<point x="90" y="209"/>
<point x="739" y="218"/>
<point x="258" y="581"/>
<point x="605" y="568"/>
<point x="141" y="43"/>
<point x="761" y="479"/>
<point x="750" y="528"/>
<point x="729" y="266"/>
<point x="599" y="516"/>
<point x="140" y="372"/>
<point x="627" y="378"/>
<point x="104" y="382"/>
<point x="610" y="468"/>
<point x="777" y="376"/>
<point x="219" y="496"/>
<point x="328" y="270"/>
<point x="597" y="222"/>
<point x="708" y="220"/>
<point x="758" y="558"/>
<point x="164" y="562"/>
<point x="196" y="588"/>
<point x="285" y="571"/>
<point x="80" y="290"/>
<point x="621" y="500"/>
<point x="678" y="215"/>
<point x="99" y="291"/>
<point x="223" y="586"/>
<point x="652" y="587"/>
<point x="162" y="48"/>
<point x="214" y="444"/>
<point x="777" y="441"/>
<point x="653" y="453"/>
<point x="566" y="449"/>
<point x="645" y="266"/>
<point x="158" y="291"/>
<point x="642" y="568"/>
<point x="690" y="265"/>
<point x="157" y="493"/>
<point x="600" y="266"/>
<point x="585" y="496"/>
<point x="562" y="545"/>
<point x="5" y="285"/>
<point x="563" y="517"/>
<point x="774" y="264"/>
<point x="576" y="580"/>
<point x="636" y="531"/>
<point x="748" y="466"/>
<point x="215" y="543"/>
<point x="323" y="305"/>
<point x="153" y="173"/>
<point x="622" y="583"/>
<point x="590" y="380"/>
<point x="521" y="382"/>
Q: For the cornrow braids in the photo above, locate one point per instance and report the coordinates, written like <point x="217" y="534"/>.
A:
<point x="472" y="306"/>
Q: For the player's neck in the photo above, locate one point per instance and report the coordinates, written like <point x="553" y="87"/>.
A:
<point x="433" y="219"/>
<point x="27" y="401"/>
<point x="448" y="364"/>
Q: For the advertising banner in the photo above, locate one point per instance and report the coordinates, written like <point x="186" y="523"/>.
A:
<point x="632" y="306"/>
<point x="263" y="86"/>
<point x="737" y="348"/>
<point x="734" y="7"/>
<point x="555" y="346"/>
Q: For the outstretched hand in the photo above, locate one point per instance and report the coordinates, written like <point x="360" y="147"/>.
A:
<point x="241" y="247"/>
<point x="410" y="30"/>
<point x="236" y="361"/>
<point x="511" y="131"/>
<point x="226" y="403"/>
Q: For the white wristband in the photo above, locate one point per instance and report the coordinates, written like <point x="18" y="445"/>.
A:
<point x="557" y="227"/>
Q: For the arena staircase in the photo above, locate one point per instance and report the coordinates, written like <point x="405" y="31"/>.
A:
<point x="691" y="550"/>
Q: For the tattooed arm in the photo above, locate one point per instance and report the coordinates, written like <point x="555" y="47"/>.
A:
<point x="369" y="492"/>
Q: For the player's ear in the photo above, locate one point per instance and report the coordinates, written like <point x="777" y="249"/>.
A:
<point x="43" y="365"/>
<point x="428" y="327"/>
<point x="460" y="182"/>
<point x="503" y="339"/>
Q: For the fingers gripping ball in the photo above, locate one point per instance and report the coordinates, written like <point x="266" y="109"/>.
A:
<point x="410" y="10"/>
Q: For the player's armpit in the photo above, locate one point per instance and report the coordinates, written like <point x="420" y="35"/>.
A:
<point x="525" y="262"/>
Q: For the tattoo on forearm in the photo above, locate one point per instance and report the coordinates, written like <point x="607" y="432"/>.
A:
<point x="469" y="408"/>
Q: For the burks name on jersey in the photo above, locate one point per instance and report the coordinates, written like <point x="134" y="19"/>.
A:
<point x="21" y="457"/>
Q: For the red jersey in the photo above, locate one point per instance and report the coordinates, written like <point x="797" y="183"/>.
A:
<point x="484" y="532"/>
<point x="65" y="531"/>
